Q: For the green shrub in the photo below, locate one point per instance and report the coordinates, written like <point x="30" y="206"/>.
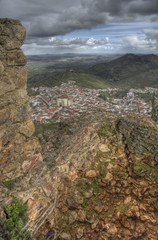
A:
<point x="95" y="185"/>
<point x="115" y="94"/>
<point x="16" y="219"/>
<point x="105" y="95"/>
<point x="41" y="127"/>
<point x="106" y="130"/>
<point x="10" y="183"/>
<point x="84" y="204"/>
<point x="145" y="96"/>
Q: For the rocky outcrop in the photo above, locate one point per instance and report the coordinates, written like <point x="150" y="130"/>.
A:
<point x="16" y="127"/>
<point x="105" y="177"/>
<point x="155" y="106"/>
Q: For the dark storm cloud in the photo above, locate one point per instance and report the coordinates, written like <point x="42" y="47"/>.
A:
<point x="46" y="18"/>
<point x="144" y="7"/>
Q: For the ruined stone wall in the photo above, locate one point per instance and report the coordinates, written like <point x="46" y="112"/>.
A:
<point x="93" y="160"/>
<point x="16" y="126"/>
<point x="141" y="136"/>
<point x="155" y="106"/>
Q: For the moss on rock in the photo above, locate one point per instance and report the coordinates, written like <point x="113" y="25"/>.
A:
<point x="106" y="131"/>
<point x="141" y="169"/>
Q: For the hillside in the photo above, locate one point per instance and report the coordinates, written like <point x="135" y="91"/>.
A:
<point x="55" y="78"/>
<point x="93" y="71"/>
<point x="129" y="71"/>
<point x="52" y="70"/>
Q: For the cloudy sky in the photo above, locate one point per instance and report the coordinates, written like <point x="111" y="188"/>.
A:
<point x="86" y="26"/>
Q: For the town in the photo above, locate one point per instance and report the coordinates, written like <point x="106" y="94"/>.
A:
<point x="69" y="100"/>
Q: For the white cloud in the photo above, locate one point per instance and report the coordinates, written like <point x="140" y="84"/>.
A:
<point x="60" y="45"/>
<point x="151" y="34"/>
<point x="146" y="43"/>
<point x="138" y="43"/>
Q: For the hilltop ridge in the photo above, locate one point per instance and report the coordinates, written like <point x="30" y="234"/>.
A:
<point x="94" y="71"/>
<point x="129" y="70"/>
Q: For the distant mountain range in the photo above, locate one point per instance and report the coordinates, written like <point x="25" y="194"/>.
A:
<point x="94" y="71"/>
<point x="129" y="70"/>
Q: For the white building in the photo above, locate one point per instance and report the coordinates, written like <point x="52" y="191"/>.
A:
<point x="64" y="101"/>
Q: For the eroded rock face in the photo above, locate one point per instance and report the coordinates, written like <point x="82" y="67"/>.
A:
<point x="16" y="127"/>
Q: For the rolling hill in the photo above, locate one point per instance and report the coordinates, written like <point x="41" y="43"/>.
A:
<point x="52" y="70"/>
<point x="93" y="71"/>
<point x="129" y="71"/>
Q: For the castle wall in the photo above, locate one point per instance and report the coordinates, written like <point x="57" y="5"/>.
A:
<point x="141" y="136"/>
<point x="16" y="126"/>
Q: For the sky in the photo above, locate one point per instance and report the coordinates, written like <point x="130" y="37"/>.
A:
<point x="86" y="26"/>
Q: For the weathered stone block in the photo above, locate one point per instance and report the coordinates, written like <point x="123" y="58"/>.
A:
<point x="4" y="116"/>
<point x="1" y="67"/>
<point x="31" y="162"/>
<point x="17" y="97"/>
<point x="27" y="128"/>
<point x="19" y="140"/>
<point x="10" y="167"/>
<point x="0" y="144"/>
<point x="16" y="58"/>
<point x="23" y="113"/>
<point x="10" y="44"/>
<point x="6" y="84"/>
<point x="2" y="160"/>
<point x="12" y="78"/>
<point x="31" y="145"/>
<point x="20" y="79"/>
<point x="13" y="29"/>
